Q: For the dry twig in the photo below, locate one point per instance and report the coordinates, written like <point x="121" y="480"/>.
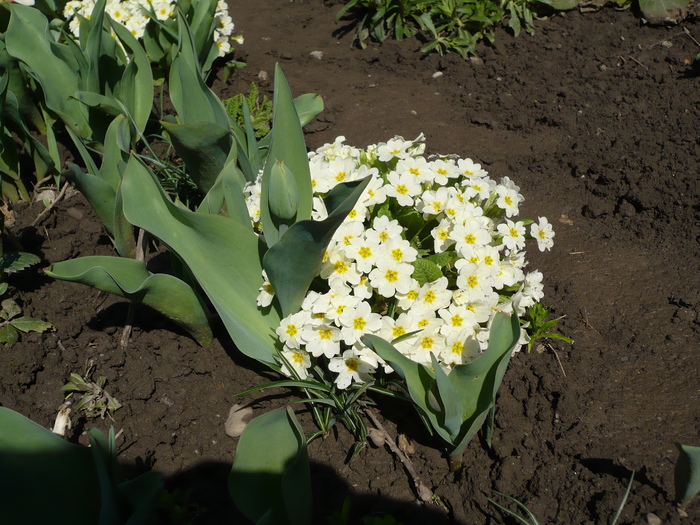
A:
<point x="424" y="493"/>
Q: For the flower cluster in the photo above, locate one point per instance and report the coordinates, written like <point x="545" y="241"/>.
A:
<point x="431" y="251"/>
<point x="135" y="15"/>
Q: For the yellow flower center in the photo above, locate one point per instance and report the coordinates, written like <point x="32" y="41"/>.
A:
<point x="359" y="323"/>
<point x="457" y="320"/>
<point x="352" y="364"/>
<point x="398" y="331"/>
<point x="365" y="252"/>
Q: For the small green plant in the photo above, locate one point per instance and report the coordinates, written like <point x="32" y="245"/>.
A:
<point x="539" y="327"/>
<point x="260" y="110"/>
<point x="94" y="400"/>
<point x="10" y="323"/>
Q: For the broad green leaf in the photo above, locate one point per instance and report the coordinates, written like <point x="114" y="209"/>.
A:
<point x="478" y="381"/>
<point x="28" y="324"/>
<point x="270" y="480"/>
<point x="663" y="11"/>
<point x="97" y="191"/>
<point x="93" y="48"/>
<point x="687" y="473"/>
<point x="448" y="398"/>
<point x="287" y="146"/>
<point x="308" y="107"/>
<point x="418" y="378"/>
<point x="202" y="26"/>
<point x="130" y="279"/>
<point x="28" y="40"/>
<point x="193" y="100"/>
<point x="11" y="262"/>
<point x="204" y="147"/>
<point x="223" y="256"/>
<point x="35" y="463"/>
<point x="135" y="89"/>
<point x="292" y="263"/>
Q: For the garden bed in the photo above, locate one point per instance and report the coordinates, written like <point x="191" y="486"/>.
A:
<point x="596" y="119"/>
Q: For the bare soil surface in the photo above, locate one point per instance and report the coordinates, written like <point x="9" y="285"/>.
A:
<point x="596" y="117"/>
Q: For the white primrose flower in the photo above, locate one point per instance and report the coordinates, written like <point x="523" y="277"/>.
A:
<point x="395" y="148"/>
<point x="266" y="293"/>
<point x="513" y="234"/>
<point x="390" y="277"/>
<point x="350" y="368"/>
<point x="299" y="360"/>
<point x="543" y="233"/>
<point x="357" y="321"/>
<point x="403" y="187"/>
<point x="322" y="339"/>
<point x="290" y="329"/>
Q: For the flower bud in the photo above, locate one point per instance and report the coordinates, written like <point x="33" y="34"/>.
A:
<point x="283" y="193"/>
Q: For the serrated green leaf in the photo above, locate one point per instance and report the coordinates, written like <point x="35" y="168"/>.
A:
<point x="426" y="271"/>
<point x="10" y="309"/>
<point x="28" y="324"/>
<point x="8" y="335"/>
<point x="11" y="262"/>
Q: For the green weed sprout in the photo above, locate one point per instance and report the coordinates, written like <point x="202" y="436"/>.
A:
<point x="10" y="323"/>
<point x="539" y="328"/>
<point x="94" y="399"/>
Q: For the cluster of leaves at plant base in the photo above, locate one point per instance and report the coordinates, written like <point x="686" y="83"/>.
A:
<point x="458" y="25"/>
<point x="94" y="399"/>
<point x="11" y="324"/>
<point x="260" y="110"/>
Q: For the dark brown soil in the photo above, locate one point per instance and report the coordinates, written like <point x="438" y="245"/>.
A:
<point x="596" y="117"/>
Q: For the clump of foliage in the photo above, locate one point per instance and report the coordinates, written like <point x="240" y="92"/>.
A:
<point x="260" y="110"/>
<point x="539" y="327"/>
<point x="94" y="399"/>
<point x="11" y="324"/>
<point x="458" y="25"/>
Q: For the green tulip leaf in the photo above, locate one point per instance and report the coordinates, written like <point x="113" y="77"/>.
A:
<point x="305" y="244"/>
<point x="130" y="279"/>
<point x="687" y="473"/>
<point x="287" y="146"/>
<point x="223" y="256"/>
<point x="34" y="463"/>
<point x="204" y="147"/>
<point x="270" y="480"/>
